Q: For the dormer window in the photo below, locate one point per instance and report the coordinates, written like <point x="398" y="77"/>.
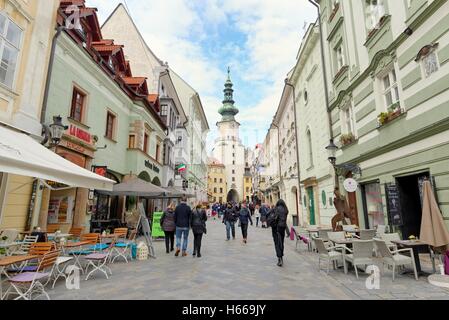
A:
<point x="111" y="63"/>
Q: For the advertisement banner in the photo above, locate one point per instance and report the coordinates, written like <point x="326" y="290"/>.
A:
<point x="156" y="230"/>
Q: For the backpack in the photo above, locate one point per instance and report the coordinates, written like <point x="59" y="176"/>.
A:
<point x="272" y="218"/>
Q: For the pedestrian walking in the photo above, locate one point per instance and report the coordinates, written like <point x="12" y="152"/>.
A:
<point x="198" y="222"/>
<point x="169" y="227"/>
<point x="244" y="220"/>
<point x="263" y="215"/>
<point x="257" y="215"/>
<point x="278" y="223"/>
<point x="229" y="219"/>
<point x="182" y="220"/>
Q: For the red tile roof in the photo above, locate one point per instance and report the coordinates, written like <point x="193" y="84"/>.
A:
<point x="134" y="80"/>
<point x="153" y="98"/>
<point x="107" y="48"/>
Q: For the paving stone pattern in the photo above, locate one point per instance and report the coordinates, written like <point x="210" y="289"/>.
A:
<point x="234" y="271"/>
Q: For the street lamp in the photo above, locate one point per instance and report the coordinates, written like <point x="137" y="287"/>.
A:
<point x="57" y="129"/>
<point x="332" y="152"/>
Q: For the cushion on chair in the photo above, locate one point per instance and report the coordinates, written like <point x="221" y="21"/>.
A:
<point x="96" y="256"/>
<point x="121" y="245"/>
<point x="401" y="259"/>
<point x="97" y="247"/>
<point x="79" y="253"/>
<point x="26" y="269"/>
<point x="28" y="277"/>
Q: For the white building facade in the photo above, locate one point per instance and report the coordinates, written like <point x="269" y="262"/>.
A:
<point x="228" y="148"/>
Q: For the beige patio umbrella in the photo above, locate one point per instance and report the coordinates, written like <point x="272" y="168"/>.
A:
<point x="434" y="231"/>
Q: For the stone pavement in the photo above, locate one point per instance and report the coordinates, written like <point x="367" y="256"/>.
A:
<point x="234" y="271"/>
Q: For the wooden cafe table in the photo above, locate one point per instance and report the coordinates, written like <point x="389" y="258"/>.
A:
<point x="7" y="261"/>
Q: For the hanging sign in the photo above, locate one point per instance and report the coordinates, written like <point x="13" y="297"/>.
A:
<point x="350" y="185"/>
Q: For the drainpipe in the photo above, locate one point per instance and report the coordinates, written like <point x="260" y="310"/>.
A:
<point x="47" y="83"/>
<point x="326" y="89"/>
<point x="287" y="83"/>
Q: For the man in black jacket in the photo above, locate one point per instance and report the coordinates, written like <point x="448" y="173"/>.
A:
<point x="183" y="214"/>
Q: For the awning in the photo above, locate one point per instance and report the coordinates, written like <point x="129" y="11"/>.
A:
<point x="139" y="188"/>
<point x="22" y="155"/>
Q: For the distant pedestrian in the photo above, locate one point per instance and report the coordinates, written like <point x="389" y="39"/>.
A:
<point x="279" y="229"/>
<point x="169" y="227"/>
<point x="263" y="215"/>
<point x="245" y="219"/>
<point x="183" y="214"/>
<point x="257" y="215"/>
<point x="198" y="222"/>
<point x="229" y="219"/>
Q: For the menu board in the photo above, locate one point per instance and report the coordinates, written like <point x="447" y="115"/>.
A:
<point x="393" y="204"/>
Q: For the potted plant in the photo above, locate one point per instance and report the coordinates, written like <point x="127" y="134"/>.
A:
<point x="347" y="139"/>
<point x="4" y="239"/>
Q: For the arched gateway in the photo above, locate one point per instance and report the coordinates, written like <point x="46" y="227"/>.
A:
<point x="233" y="196"/>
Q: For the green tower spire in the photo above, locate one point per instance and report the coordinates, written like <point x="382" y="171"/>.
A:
<point x="228" y="111"/>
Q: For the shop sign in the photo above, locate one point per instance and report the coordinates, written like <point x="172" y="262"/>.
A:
<point x="76" y="132"/>
<point x="350" y="185"/>
<point x="151" y="166"/>
<point x="100" y="170"/>
<point x="393" y="204"/>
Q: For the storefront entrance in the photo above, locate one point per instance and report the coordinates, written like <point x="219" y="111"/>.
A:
<point x="311" y="199"/>
<point x="410" y="191"/>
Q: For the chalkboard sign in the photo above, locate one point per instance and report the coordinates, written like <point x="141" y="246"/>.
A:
<point x="393" y="204"/>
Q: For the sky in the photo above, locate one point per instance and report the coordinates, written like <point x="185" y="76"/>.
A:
<point x="258" y="39"/>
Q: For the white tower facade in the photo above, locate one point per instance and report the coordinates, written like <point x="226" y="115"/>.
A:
<point x="229" y="149"/>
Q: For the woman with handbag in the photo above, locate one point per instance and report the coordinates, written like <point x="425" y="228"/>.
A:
<point x="169" y="227"/>
<point x="198" y="223"/>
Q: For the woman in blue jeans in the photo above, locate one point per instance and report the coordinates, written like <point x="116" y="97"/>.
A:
<point x="183" y="214"/>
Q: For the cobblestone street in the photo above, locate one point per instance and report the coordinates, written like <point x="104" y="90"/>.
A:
<point x="233" y="271"/>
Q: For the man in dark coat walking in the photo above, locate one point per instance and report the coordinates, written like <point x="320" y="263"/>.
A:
<point x="183" y="214"/>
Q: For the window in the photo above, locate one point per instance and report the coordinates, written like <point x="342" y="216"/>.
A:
<point x="306" y="96"/>
<point x="233" y="171"/>
<point x="132" y="142"/>
<point x="310" y="147"/>
<point x="110" y="125"/>
<point x="391" y="89"/>
<point x="215" y="180"/>
<point x="158" y="150"/>
<point x="78" y="102"/>
<point x="10" y="42"/>
<point x="339" y="58"/>
<point x="233" y="179"/>
<point x="348" y="116"/>
<point x="221" y="180"/>
<point x="430" y="63"/>
<point x="221" y="190"/>
<point x="164" y="111"/>
<point x="145" y="143"/>
<point x="215" y="190"/>
<point x="375" y="10"/>
<point x="233" y="162"/>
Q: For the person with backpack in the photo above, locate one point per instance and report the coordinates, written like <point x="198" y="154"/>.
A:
<point x="198" y="223"/>
<point x="169" y="227"/>
<point x="277" y="220"/>
<point x="245" y="218"/>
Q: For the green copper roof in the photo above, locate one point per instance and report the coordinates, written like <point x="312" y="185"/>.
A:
<point x="228" y="110"/>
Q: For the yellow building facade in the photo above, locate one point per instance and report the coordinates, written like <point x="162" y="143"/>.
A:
<point x="26" y="32"/>
<point x="216" y="183"/>
<point x="247" y="187"/>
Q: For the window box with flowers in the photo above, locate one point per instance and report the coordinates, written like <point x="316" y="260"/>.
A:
<point x="347" y="139"/>
<point x="394" y="112"/>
